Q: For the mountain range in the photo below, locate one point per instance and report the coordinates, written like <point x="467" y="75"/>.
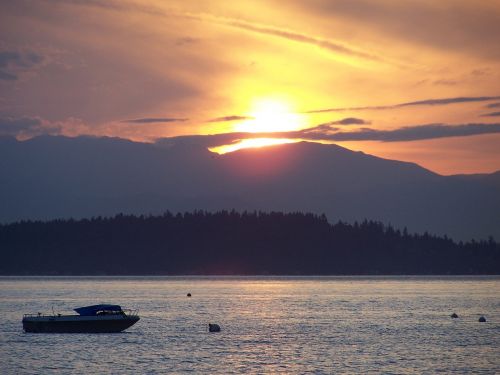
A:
<point x="51" y="177"/>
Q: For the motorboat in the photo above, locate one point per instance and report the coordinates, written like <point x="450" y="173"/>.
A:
<point x="90" y="319"/>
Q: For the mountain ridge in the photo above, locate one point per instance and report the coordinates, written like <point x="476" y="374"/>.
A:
<point x="50" y="177"/>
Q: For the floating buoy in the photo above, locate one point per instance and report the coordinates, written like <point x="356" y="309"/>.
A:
<point x="482" y="319"/>
<point x="212" y="327"/>
<point x="454" y="315"/>
<point x="189" y="294"/>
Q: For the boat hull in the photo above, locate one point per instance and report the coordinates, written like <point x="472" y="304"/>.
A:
<point x="78" y="325"/>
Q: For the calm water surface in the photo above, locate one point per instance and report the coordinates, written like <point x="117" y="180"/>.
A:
<point x="290" y="325"/>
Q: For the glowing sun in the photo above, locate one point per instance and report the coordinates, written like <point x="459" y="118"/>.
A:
<point x="270" y="115"/>
<point x="265" y="116"/>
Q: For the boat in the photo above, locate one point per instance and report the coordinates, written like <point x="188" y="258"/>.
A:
<point x="90" y="319"/>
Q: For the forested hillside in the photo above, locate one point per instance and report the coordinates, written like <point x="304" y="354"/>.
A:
<point x="228" y="242"/>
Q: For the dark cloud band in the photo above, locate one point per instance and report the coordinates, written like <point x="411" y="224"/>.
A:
<point x="230" y="118"/>
<point x="348" y="121"/>
<point x="428" y="102"/>
<point x="152" y="120"/>
<point x="491" y="114"/>
<point x="463" y="99"/>
<point x="318" y="133"/>
<point x="417" y="133"/>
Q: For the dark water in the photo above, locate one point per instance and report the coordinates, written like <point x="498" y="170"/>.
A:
<point x="289" y="325"/>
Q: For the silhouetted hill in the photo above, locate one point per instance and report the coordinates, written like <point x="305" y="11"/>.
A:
<point x="233" y="243"/>
<point x="52" y="177"/>
<point x="492" y="179"/>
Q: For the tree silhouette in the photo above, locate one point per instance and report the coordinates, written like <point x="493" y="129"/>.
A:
<point x="230" y="242"/>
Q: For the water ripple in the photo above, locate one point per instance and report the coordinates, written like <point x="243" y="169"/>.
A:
<point x="276" y="325"/>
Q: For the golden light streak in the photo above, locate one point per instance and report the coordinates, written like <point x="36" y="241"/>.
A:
<point x="251" y="143"/>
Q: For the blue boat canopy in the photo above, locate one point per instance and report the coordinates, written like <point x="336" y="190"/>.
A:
<point x="94" y="309"/>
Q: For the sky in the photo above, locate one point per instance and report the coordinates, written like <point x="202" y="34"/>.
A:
<point x="409" y="80"/>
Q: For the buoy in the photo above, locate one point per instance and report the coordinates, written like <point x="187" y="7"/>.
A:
<point x="212" y="327"/>
<point x="482" y="319"/>
<point x="454" y="315"/>
<point x="189" y="294"/>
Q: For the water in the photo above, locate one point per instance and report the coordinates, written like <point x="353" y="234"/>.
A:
<point x="290" y="325"/>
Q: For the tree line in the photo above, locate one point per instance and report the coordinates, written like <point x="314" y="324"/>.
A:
<point x="234" y="243"/>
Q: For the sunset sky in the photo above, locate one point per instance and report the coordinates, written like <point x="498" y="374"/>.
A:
<point x="408" y="80"/>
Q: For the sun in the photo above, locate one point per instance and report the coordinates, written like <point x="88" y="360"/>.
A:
<point x="270" y="115"/>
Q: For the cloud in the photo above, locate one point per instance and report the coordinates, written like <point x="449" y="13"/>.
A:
<point x="213" y="140"/>
<point x="321" y="133"/>
<point x="14" y="63"/>
<point x="493" y="105"/>
<point x="29" y="127"/>
<point x="152" y="120"/>
<point x="446" y="82"/>
<point x="470" y="27"/>
<point x="329" y="127"/>
<point x="445" y="101"/>
<point x="349" y="121"/>
<point x="297" y="37"/>
<point x="230" y="118"/>
<point x="13" y="126"/>
<point x="186" y="40"/>
<point x="335" y="47"/>
<point x="429" y="102"/>
<point x="480" y="72"/>
<point x="210" y="140"/>
<point x="342" y="109"/>
<point x="491" y="114"/>
<point x="325" y="128"/>
<point x="416" y="133"/>
<point x="6" y="76"/>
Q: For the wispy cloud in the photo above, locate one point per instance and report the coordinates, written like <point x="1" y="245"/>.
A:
<point x="230" y="118"/>
<point x="416" y="133"/>
<point x="332" y="126"/>
<point x="491" y="114"/>
<point x="493" y="105"/>
<point x="445" y="101"/>
<point x="29" y="127"/>
<point x="426" y="102"/>
<point x="14" y="63"/>
<point x="348" y="121"/>
<point x="292" y="35"/>
<point x="403" y="134"/>
<point x="343" y="109"/>
<point x="12" y="126"/>
<point x="446" y="82"/>
<point x="186" y="40"/>
<point x="152" y="120"/>
<point x="329" y="45"/>
<point x="6" y="76"/>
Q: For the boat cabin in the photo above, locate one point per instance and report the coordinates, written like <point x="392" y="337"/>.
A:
<point x="95" y="310"/>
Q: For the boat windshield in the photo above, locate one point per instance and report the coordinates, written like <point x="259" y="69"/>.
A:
<point x="98" y="310"/>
